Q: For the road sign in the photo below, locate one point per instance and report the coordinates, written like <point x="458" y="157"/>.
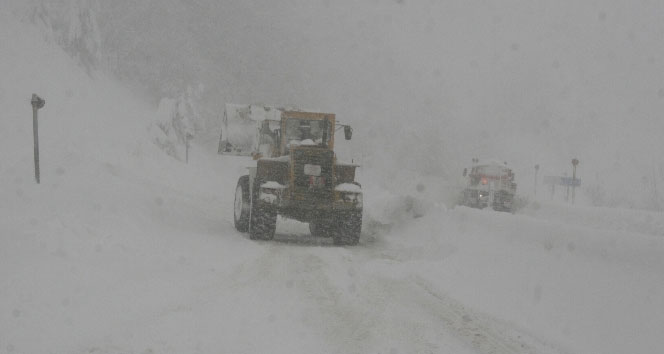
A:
<point x="569" y="181"/>
<point x="562" y="181"/>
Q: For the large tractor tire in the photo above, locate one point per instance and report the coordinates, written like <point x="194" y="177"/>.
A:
<point x="349" y="227"/>
<point x="320" y="228"/>
<point x="263" y="220"/>
<point x="242" y="205"/>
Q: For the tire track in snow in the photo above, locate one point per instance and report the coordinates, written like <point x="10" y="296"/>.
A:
<point x="483" y="333"/>
<point x="347" y="305"/>
<point x="354" y="311"/>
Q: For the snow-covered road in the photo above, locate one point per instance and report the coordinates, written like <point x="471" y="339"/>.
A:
<point x="154" y="265"/>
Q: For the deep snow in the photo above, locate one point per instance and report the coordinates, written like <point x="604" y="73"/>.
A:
<point x="122" y="249"/>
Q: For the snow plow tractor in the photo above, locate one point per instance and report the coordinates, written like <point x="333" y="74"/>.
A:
<point x="490" y="184"/>
<point x="296" y="174"/>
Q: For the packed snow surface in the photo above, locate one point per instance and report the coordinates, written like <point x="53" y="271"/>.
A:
<point x="122" y="249"/>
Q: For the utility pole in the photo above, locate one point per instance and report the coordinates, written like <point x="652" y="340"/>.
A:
<point x="37" y="103"/>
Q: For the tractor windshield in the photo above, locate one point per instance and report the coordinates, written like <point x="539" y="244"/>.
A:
<point x="305" y="132"/>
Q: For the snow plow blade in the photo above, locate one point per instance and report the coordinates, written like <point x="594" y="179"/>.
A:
<point x="240" y="127"/>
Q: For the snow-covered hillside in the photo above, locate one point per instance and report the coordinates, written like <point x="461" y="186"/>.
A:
<point x="122" y="249"/>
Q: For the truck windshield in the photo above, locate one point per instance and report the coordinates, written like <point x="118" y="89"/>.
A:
<point x="483" y="174"/>
<point x="495" y="171"/>
<point x="304" y="132"/>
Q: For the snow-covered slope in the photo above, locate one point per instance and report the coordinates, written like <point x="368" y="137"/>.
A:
<point x="122" y="249"/>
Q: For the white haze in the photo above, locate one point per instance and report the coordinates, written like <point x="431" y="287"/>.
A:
<point x="124" y="248"/>
<point x="436" y="83"/>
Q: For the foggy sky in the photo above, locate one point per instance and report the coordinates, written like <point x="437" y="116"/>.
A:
<point x="523" y="81"/>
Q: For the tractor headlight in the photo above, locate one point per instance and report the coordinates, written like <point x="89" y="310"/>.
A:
<point x="349" y="197"/>
<point x="350" y="193"/>
<point x="353" y="198"/>
<point x="271" y="192"/>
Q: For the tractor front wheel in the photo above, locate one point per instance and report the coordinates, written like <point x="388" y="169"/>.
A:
<point x="349" y="227"/>
<point x="242" y="204"/>
<point x="263" y="221"/>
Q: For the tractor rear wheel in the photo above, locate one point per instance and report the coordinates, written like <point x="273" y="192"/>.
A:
<point x="320" y="228"/>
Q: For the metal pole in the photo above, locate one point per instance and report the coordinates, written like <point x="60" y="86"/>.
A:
<point x="575" y="162"/>
<point x="536" y="170"/>
<point x="567" y="193"/>
<point x="37" y="103"/>
<point x="566" y="188"/>
<point x="573" y="182"/>
<point x="35" y="130"/>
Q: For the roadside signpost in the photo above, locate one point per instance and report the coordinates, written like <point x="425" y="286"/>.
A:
<point x="562" y="181"/>
<point x="37" y="103"/>
<point x="575" y="162"/>
<point x="565" y="181"/>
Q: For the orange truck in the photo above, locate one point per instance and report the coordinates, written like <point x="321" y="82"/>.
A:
<point x="489" y="184"/>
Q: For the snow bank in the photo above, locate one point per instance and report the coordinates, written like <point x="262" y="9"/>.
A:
<point x="590" y="288"/>
<point x="99" y="244"/>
